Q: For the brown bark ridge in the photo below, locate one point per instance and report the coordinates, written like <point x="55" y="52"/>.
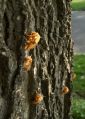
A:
<point x="52" y="59"/>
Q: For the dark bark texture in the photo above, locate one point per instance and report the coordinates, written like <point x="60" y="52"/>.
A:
<point x="52" y="59"/>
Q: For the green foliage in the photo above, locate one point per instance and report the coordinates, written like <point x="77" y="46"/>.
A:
<point x="78" y="109"/>
<point x="79" y="69"/>
<point x="78" y="4"/>
<point x="78" y="103"/>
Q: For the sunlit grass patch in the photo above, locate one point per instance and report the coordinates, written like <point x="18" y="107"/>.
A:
<point x="78" y="4"/>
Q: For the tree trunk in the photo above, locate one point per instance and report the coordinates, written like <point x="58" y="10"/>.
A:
<point x="52" y="59"/>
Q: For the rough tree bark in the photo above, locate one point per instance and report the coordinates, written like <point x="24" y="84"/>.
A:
<point x="52" y="59"/>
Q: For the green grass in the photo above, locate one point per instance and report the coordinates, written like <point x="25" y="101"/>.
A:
<point x="78" y="5"/>
<point x="78" y="102"/>
<point x="78" y="109"/>
<point x="79" y="69"/>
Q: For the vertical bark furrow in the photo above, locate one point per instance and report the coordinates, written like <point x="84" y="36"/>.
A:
<point x="9" y="26"/>
<point x="20" y="84"/>
<point x="7" y="72"/>
<point x="2" y="8"/>
<point x="35" y="14"/>
<point x="69" y="56"/>
<point x="31" y="20"/>
<point x="41" y="23"/>
<point x="7" y="67"/>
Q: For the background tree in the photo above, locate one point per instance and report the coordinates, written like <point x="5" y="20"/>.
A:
<point x="51" y="67"/>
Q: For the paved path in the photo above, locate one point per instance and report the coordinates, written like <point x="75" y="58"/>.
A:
<point x="78" y="31"/>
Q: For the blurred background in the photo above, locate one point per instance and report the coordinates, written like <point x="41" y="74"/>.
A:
<point x="78" y="36"/>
